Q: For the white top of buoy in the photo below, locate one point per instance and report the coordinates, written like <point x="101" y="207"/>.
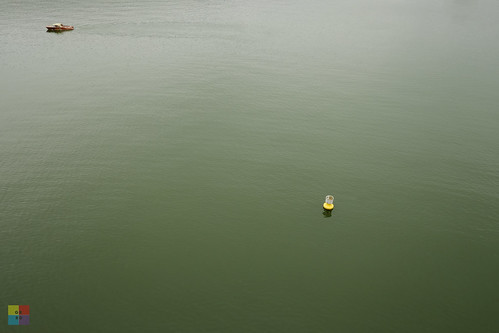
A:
<point x="329" y="199"/>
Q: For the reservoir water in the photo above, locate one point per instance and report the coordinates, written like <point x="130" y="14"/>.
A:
<point x="163" y="166"/>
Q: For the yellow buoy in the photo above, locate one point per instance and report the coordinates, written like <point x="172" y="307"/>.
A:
<point x="328" y="205"/>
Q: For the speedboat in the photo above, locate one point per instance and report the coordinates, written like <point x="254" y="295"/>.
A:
<point x="59" y="27"/>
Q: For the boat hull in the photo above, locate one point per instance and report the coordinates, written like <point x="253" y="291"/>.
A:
<point x="58" y="29"/>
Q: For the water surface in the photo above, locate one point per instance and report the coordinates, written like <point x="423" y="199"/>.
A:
<point x="163" y="166"/>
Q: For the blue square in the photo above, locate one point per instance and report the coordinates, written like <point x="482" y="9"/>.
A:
<point x="13" y="320"/>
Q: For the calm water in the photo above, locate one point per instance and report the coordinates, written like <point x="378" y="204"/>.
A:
<point x="163" y="166"/>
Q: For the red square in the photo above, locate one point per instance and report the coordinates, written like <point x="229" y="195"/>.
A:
<point x="24" y="309"/>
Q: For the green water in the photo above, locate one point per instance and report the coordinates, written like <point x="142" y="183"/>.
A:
<point x="163" y="166"/>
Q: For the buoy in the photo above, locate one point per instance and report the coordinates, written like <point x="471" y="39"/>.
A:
<point x="328" y="205"/>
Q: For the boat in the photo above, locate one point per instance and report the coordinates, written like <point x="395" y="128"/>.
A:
<point x="59" y="27"/>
